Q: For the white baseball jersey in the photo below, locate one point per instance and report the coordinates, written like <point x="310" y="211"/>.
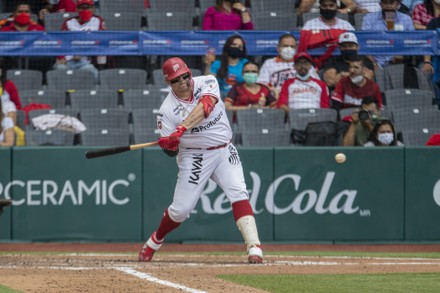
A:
<point x="298" y="94"/>
<point x="275" y="72"/>
<point x="318" y="24"/>
<point x="198" y="164"/>
<point x="210" y="132"/>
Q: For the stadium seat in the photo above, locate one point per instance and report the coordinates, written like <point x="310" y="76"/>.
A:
<point x="123" y="79"/>
<point x="92" y="99"/>
<point x="168" y="21"/>
<point x="139" y="99"/>
<point x="415" y="118"/>
<point x="408" y="98"/>
<point x="105" y="137"/>
<point x="26" y="79"/>
<point x="394" y="78"/>
<point x="54" y="21"/>
<point x="299" y="118"/>
<point x="54" y="98"/>
<point x="418" y="137"/>
<point x="21" y="116"/>
<point x="105" y="118"/>
<point x="145" y="135"/>
<point x="287" y="6"/>
<point x="145" y="119"/>
<point x="172" y="6"/>
<point x="274" y="21"/>
<point x="67" y="80"/>
<point x="265" y="138"/>
<point x="260" y="119"/>
<point x="51" y="137"/>
<point x="122" y="21"/>
<point x="112" y="6"/>
<point x="379" y="76"/>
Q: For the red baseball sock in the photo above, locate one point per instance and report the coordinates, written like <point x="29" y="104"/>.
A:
<point x="166" y="226"/>
<point x="241" y="209"/>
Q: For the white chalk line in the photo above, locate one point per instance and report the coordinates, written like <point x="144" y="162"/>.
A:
<point x="150" y="278"/>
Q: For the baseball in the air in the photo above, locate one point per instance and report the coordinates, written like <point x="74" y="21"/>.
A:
<point x="340" y="158"/>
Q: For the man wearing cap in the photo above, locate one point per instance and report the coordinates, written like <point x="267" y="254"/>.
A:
<point x="327" y="20"/>
<point x="85" y="21"/>
<point x="303" y="91"/>
<point x="194" y="127"/>
<point x="337" y="66"/>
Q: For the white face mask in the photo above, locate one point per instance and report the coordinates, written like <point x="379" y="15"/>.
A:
<point x="357" y="79"/>
<point x="437" y="2"/>
<point x="385" y="138"/>
<point x="287" y="53"/>
<point x="303" y="77"/>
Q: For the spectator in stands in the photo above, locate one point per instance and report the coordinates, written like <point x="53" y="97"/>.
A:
<point x="431" y="65"/>
<point x="7" y="135"/>
<point x="275" y="71"/>
<point x="8" y="91"/>
<point x="365" y="6"/>
<point x="424" y="12"/>
<point x="434" y="140"/>
<point x="56" y="6"/>
<point x="383" y="134"/>
<point x="22" y="20"/>
<point x="361" y="125"/>
<point x="306" y="6"/>
<point x="387" y="19"/>
<point x="303" y="91"/>
<point x="328" y="19"/>
<point x="337" y="66"/>
<point x="229" y="69"/>
<point x="227" y="15"/>
<point x="85" y="21"/>
<point x="250" y="94"/>
<point x="350" y="89"/>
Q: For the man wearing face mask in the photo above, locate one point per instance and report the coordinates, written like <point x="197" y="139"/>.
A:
<point x="350" y="90"/>
<point x="275" y="71"/>
<point x="85" y="21"/>
<point x="22" y="20"/>
<point x="303" y="91"/>
<point x="328" y="19"/>
<point x="387" y="19"/>
<point x="337" y="66"/>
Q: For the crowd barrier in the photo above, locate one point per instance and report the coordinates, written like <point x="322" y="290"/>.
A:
<point x="298" y="195"/>
<point x="197" y="42"/>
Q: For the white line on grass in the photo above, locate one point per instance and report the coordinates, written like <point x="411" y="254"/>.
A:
<point x="150" y="278"/>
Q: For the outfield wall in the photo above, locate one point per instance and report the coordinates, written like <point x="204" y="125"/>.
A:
<point x="298" y="195"/>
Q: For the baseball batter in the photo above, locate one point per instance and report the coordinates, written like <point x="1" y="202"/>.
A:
<point x="194" y="127"/>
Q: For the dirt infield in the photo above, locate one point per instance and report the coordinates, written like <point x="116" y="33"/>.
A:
<point x="113" y="267"/>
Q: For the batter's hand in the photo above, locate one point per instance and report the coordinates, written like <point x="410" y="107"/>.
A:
<point x="172" y="142"/>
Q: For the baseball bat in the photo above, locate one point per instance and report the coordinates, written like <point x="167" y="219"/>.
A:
<point x="117" y="150"/>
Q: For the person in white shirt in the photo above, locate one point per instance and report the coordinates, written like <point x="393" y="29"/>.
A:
<point x="194" y="127"/>
<point x="328" y="19"/>
<point x="275" y="71"/>
<point x="7" y="135"/>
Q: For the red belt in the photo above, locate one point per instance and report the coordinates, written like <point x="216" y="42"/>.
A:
<point x="211" y="148"/>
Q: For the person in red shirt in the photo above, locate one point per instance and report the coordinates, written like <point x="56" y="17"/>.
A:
<point x="351" y="89"/>
<point x="249" y="94"/>
<point x="56" y="6"/>
<point x="22" y="20"/>
<point x="303" y="91"/>
<point x="8" y="91"/>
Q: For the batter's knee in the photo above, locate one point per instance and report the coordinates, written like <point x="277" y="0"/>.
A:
<point x="178" y="215"/>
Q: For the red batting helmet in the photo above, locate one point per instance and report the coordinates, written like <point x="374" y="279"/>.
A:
<point x="174" y="67"/>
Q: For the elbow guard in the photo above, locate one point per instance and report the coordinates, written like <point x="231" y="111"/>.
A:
<point x="208" y="105"/>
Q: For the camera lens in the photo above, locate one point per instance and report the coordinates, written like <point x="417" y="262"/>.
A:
<point x="364" y="115"/>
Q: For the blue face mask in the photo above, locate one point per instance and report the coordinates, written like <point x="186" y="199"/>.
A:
<point x="250" y="77"/>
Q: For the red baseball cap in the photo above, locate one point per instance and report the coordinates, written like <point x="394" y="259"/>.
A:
<point x="302" y="55"/>
<point x="174" y="67"/>
<point x="88" y="2"/>
<point x="434" y="140"/>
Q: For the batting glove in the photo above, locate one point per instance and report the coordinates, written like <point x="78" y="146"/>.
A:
<point x="172" y="142"/>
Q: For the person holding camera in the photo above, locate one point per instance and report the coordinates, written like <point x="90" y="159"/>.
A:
<point x="362" y="122"/>
<point x="227" y="15"/>
<point x="383" y="134"/>
<point x="350" y="89"/>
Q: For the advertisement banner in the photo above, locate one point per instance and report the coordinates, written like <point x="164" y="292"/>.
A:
<point x="422" y="200"/>
<point x="314" y="198"/>
<point x="60" y="195"/>
<point x="212" y="218"/>
<point x="258" y="43"/>
<point x="5" y="176"/>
